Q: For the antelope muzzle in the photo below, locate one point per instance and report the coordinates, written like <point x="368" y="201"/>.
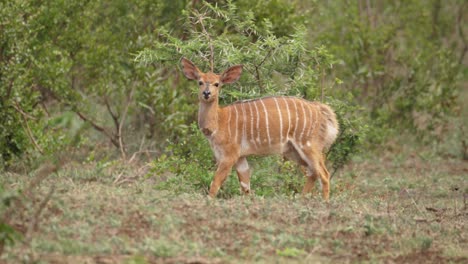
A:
<point x="206" y="94"/>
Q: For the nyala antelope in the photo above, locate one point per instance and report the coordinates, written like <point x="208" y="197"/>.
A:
<point x="298" y="129"/>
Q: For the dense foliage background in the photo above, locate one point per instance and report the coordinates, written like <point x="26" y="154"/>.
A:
<point x="78" y="77"/>
<point x="99" y="81"/>
<point x="70" y="82"/>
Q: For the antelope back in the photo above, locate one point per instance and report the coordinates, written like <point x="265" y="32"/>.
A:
<point x="267" y="125"/>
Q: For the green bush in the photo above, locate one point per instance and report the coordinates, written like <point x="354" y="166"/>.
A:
<point x="68" y="80"/>
<point x="61" y="57"/>
<point x="398" y="58"/>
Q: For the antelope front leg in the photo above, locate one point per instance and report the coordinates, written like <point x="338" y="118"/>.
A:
<point x="221" y="174"/>
<point x="310" y="181"/>
<point x="324" y="179"/>
<point x="243" y="173"/>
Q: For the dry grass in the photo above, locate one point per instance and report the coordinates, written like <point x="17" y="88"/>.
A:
<point x="395" y="208"/>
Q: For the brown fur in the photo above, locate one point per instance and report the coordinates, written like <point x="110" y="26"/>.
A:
<point x="296" y="128"/>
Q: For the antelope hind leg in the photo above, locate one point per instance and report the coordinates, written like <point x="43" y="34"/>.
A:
<point x="243" y="174"/>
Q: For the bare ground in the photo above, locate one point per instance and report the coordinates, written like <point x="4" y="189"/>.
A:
<point x="389" y="209"/>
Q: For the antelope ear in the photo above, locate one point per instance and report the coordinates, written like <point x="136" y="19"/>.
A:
<point x="232" y="74"/>
<point x="190" y="70"/>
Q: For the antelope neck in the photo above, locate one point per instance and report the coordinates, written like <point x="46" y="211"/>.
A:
<point x="208" y="117"/>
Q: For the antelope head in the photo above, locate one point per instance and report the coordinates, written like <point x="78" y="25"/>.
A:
<point x="210" y="83"/>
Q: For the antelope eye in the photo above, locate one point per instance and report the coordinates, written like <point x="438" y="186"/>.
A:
<point x="200" y="83"/>
<point x="216" y="84"/>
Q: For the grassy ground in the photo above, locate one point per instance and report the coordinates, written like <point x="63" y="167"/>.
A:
<point x="399" y="208"/>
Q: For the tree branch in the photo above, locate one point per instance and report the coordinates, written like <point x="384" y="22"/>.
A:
<point x="259" y="80"/>
<point x="27" y="128"/>
<point x="461" y="33"/>
<point x="257" y="71"/>
<point x="122" y="121"/>
<point x="113" y="115"/>
<point x="18" y="109"/>
<point x="98" y="128"/>
<point x="208" y="37"/>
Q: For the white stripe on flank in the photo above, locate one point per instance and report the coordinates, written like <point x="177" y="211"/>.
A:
<point x="289" y="117"/>
<point x="310" y="118"/>
<point x="258" y="121"/>
<point x="252" y="138"/>
<point x="318" y="116"/>
<point x="237" y="119"/>
<point x="244" y="129"/>
<point x="229" y="122"/>
<point x="280" y="118"/>
<point x="315" y="121"/>
<point x="297" y="117"/>
<point x="266" y="124"/>
<point x="305" y="121"/>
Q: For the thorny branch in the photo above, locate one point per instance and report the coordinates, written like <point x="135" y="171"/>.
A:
<point x="200" y="18"/>
<point x="257" y="67"/>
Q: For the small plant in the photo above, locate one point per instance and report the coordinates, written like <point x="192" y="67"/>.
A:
<point x="290" y="252"/>
<point x="426" y="243"/>
<point x="369" y="226"/>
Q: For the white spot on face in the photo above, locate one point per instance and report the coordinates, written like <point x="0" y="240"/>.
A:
<point x="308" y="143"/>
